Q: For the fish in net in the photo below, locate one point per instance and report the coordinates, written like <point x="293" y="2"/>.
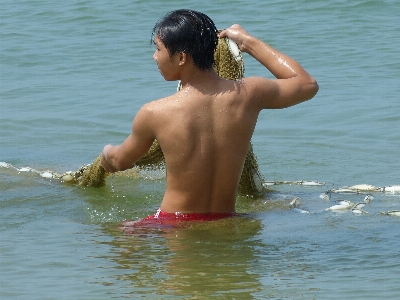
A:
<point x="229" y="64"/>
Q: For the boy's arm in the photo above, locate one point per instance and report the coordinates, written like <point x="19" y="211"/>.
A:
<point x="293" y="84"/>
<point x="122" y="157"/>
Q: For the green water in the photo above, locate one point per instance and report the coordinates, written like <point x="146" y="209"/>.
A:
<point x="73" y="75"/>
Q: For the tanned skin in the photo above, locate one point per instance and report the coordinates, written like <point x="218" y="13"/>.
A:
<point x="204" y="130"/>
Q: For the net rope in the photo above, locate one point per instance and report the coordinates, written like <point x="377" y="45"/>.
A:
<point x="76" y="177"/>
<point x="229" y="64"/>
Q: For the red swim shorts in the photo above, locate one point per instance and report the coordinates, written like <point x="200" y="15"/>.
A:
<point x="165" y="219"/>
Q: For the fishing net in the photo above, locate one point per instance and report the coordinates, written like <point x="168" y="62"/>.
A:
<point x="229" y="65"/>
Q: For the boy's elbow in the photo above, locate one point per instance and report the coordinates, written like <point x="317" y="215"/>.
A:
<point x="312" y="88"/>
<point x="315" y="86"/>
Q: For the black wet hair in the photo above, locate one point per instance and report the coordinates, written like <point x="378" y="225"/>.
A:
<point x="191" y="32"/>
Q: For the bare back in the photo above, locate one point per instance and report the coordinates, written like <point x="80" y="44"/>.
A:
<point x="205" y="129"/>
<point x="205" y="138"/>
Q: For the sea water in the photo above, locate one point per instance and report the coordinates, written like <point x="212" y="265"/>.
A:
<point x="74" y="73"/>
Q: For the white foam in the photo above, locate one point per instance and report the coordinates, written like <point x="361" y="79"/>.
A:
<point x="392" y="189"/>
<point x="4" y="164"/>
<point x="46" y="175"/>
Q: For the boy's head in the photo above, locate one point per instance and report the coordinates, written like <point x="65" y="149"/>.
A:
<point x="191" y="32"/>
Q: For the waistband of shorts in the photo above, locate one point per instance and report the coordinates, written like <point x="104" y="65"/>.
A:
<point x="160" y="214"/>
<point x="169" y="220"/>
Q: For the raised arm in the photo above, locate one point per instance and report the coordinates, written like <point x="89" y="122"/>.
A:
<point x="293" y="84"/>
<point x="122" y="157"/>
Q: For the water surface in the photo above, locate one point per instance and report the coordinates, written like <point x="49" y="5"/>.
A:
<point x="72" y="77"/>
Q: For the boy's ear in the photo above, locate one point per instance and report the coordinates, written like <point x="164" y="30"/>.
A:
<point x="182" y="58"/>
